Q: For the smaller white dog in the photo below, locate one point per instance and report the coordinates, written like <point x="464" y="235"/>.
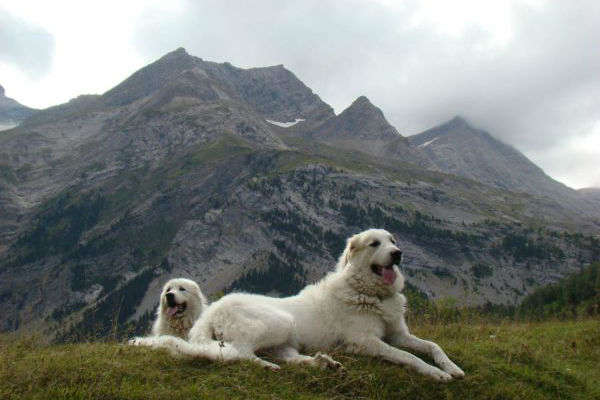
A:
<point x="181" y="303"/>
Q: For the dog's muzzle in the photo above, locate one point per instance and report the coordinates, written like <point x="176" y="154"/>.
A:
<point x="387" y="272"/>
<point x="171" y="300"/>
<point x="174" y="308"/>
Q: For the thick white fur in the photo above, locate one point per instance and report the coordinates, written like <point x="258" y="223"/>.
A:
<point x="351" y="308"/>
<point x="180" y="324"/>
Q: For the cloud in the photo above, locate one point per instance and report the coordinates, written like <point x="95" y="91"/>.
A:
<point x="524" y="71"/>
<point x="29" y="48"/>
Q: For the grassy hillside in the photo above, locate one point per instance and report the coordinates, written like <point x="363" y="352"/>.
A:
<point x="502" y="361"/>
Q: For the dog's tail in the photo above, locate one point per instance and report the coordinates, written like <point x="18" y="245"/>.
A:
<point x="210" y="350"/>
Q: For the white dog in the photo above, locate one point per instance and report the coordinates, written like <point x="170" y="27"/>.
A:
<point x="357" y="308"/>
<point x="181" y="303"/>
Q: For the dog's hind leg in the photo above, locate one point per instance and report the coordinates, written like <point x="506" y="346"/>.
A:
<point x="289" y="354"/>
<point x="247" y="353"/>
<point x="249" y="328"/>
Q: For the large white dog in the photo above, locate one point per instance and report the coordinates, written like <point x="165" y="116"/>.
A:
<point x="181" y="303"/>
<point x="357" y="308"/>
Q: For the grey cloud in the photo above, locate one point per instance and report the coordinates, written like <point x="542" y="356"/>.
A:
<point x="27" y="47"/>
<point x="582" y="169"/>
<point x="534" y="92"/>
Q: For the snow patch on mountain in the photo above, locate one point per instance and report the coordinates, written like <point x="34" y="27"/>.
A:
<point x="285" y="124"/>
<point x="428" y="142"/>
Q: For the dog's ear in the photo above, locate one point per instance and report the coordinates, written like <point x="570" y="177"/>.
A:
<point x="196" y="290"/>
<point x="352" y="245"/>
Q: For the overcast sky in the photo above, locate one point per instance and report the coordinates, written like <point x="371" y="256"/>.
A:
<point x="528" y="72"/>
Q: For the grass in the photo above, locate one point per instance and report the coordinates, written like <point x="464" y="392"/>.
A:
<point x="502" y="361"/>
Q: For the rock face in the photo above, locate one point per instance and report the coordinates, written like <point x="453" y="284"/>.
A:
<point x="176" y="172"/>
<point x="12" y="112"/>
<point x="590" y="195"/>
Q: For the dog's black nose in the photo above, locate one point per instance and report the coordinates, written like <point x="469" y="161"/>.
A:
<point x="170" y="299"/>
<point x="396" y="257"/>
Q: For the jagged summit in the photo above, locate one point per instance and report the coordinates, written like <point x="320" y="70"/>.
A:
<point x="274" y="92"/>
<point x="180" y="50"/>
<point x="362" y="100"/>
<point x="457" y="126"/>
<point x="360" y="122"/>
<point x="363" y="127"/>
<point x="459" y="120"/>
<point x="180" y="54"/>
<point x="363" y="108"/>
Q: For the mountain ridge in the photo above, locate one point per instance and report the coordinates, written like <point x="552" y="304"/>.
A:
<point x="363" y="127"/>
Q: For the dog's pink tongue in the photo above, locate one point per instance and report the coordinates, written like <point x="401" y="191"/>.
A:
<point x="388" y="275"/>
<point x="171" y="311"/>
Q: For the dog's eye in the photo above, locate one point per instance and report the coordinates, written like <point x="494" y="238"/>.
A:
<point x="393" y="241"/>
<point x="182" y="288"/>
<point x="375" y="243"/>
<point x="168" y="289"/>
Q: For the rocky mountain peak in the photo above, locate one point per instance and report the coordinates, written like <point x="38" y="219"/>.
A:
<point x="458" y="148"/>
<point x="459" y="120"/>
<point x="363" y="105"/>
<point x="178" y="56"/>
<point x="150" y="78"/>
<point x="363" y="112"/>
<point x="180" y="51"/>
<point x="274" y="92"/>
<point x="365" y="121"/>
<point x="460" y="125"/>
<point x="363" y="127"/>
<point x="362" y="101"/>
<point x="457" y="132"/>
<point x="1" y="90"/>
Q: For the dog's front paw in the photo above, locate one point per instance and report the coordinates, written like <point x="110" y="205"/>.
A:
<point x="456" y="372"/>
<point x="453" y="370"/>
<point x="439" y="375"/>
<point x="324" y="361"/>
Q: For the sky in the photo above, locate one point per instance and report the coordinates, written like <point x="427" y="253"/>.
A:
<point x="528" y="72"/>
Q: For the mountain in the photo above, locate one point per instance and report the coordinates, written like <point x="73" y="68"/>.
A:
<point x="274" y="92"/>
<point x="363" y="127"/>
<point x="244" y="179"/>
<point x="12" y="112"/>
<point x="458" y="148"/>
